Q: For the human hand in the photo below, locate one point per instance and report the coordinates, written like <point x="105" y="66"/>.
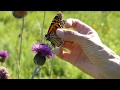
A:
<point x="84" y="49"/>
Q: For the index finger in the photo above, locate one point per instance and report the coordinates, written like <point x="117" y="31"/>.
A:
<point x="78" y="25"/>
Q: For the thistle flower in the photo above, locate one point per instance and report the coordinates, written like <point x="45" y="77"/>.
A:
<point x="3" y="56"/>
<point x="42" y="51"/>
<point x="4" y="73"/>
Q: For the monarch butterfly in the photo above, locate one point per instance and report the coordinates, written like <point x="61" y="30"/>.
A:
<point x="19" y="14"/>
<point x="57" y="22"/>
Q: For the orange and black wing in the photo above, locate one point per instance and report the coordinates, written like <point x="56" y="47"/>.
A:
<point x="57" y="22"/>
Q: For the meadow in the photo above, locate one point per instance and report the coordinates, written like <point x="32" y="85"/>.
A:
<point x="106" y="23"/>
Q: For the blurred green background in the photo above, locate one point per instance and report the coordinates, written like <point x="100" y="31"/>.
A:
<point x="106" y="23"/>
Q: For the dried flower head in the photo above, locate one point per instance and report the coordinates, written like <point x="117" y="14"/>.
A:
<point x="19" y="14"/>
<point x="42" y="51"/>
<point x="4" y="73"/>
<point x="3" y="56"/>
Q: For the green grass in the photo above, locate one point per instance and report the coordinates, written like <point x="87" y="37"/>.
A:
<point x="106" y="23"/>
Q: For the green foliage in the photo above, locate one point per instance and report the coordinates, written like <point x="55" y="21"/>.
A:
<point x="105" y="23"/>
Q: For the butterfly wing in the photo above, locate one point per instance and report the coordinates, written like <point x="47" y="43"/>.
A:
<point x="55" y="40"/>
<point x="57" y="22"/>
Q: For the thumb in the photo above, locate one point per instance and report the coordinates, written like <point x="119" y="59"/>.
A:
<point x="72" y="36"/>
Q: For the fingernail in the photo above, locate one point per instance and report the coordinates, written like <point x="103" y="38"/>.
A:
<point x="60" y="32"/>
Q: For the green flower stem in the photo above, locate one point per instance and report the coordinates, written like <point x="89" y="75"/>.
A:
<point x="35" y="71"/>
<point x="19" y="58"/>
<point x="43" y="25"/>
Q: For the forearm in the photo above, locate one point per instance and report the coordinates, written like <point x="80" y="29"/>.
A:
<point x="109" y="68"/>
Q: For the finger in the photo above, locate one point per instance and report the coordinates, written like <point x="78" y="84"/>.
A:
<point x="71" y="36"/>
<point x="78" y="25"/>
<point x="63" y="55"/>
<point x="67" y="44"/>
<point x="82" y="28"/>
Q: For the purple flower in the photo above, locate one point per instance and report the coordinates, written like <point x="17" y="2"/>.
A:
<point x="4" y="73"/>
<point x="3" y="56"/>
<point x="42" y="51"/>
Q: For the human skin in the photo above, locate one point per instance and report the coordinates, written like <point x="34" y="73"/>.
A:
<point x="84" y="49"/>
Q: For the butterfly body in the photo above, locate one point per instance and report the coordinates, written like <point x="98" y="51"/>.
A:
<point x="57" y="22"/>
